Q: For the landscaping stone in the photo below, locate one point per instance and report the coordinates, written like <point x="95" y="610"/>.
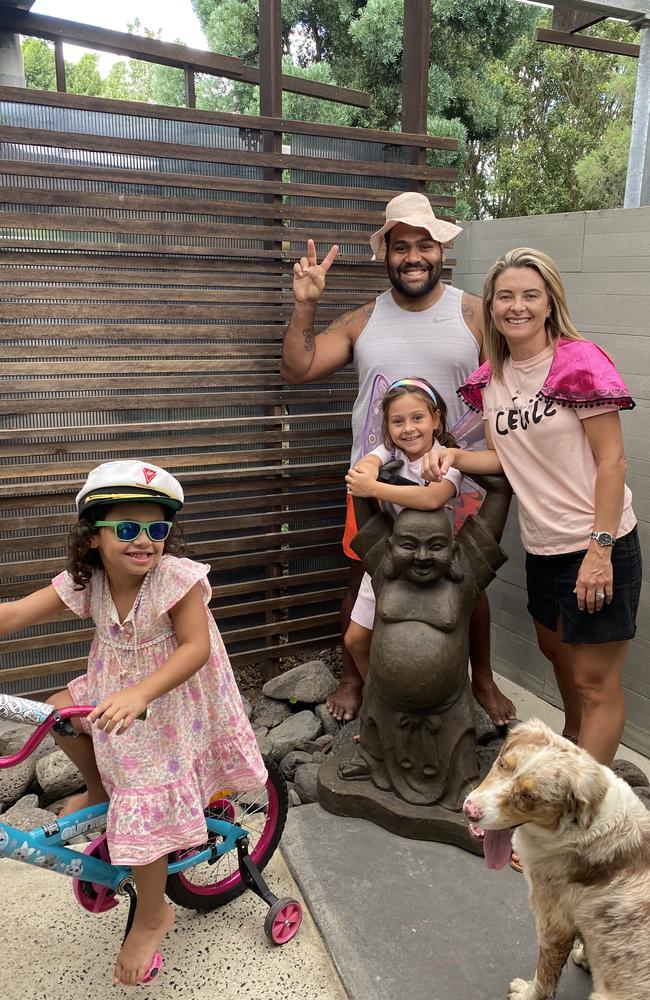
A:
<point x="292" y="760"/>
<point x="325" y="742"/>
<point x="486" y="757"/>
<point x="264" y="744"/>
<point x="305" y="782"/>
<point x="344" y="738"/>
<point x="15" y="780"/>
<point x="269" y="712"/>
<point x="58" y="776"/>
<point x="58" y="805"/>
<point x="301" y="726"/>
<point x="248" y="708"/>
<point x="13" y="738"/>
<point x="310" y="683"/>
<point x="630" y="773"/>
<point x="26" y="814"/>
<point x="331" y="726"/>
<point x="294" y="798"/>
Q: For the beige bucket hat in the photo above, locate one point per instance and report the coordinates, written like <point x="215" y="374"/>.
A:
<point x="415" y="210"/>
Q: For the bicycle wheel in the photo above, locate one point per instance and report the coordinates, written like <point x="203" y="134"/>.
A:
<point x="263" y="814"/>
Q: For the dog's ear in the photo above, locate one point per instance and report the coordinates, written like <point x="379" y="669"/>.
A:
<point x="587" y="789"/>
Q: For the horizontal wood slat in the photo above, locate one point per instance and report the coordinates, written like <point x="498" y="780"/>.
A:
<point x="51" y="98"/>
<point x="289" y="189"/>
<point x="247" y="158"/>
<point x="191" y="206"/>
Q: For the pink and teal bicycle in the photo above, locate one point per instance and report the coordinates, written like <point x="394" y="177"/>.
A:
<point x="244" y="830"/>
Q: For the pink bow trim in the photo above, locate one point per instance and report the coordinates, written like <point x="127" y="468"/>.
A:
<point x="581" y="374"/>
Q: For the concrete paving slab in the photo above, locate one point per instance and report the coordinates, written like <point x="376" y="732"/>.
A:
<point x="404" y="918"/>
<point x="50" y="947"/>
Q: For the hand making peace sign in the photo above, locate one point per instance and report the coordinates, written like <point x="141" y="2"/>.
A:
<point x="309" y="275"/>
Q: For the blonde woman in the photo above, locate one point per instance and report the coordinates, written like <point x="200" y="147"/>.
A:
<point x="550" y="401"/>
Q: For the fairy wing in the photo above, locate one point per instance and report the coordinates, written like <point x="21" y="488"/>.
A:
<point x="372" y="437"/>
<point x="469" y="433"/>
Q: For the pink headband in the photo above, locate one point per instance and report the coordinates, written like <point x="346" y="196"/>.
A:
<point x="417" y="383"/>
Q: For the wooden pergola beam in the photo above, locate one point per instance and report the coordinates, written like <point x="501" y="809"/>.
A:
<point x="569" y="19"/>
<point x="415" y="72"/>
<point x="120" y="43"/>
<point x="166" y="53"/>
<point x="586" y="42"/>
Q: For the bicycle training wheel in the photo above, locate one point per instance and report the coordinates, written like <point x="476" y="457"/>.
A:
<point x="263" y="814"/>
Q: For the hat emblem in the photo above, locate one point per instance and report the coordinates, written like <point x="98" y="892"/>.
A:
<point x="148" y="474"/>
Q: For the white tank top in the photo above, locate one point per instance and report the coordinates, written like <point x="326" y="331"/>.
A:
<point x="435" y="344"/>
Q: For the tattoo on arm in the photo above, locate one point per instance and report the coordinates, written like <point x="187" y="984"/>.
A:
<point x="467" y="308"/>
<point x="308" y="337"/>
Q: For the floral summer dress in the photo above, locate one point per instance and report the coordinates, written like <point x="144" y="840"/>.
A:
<point x="197" y="739"/>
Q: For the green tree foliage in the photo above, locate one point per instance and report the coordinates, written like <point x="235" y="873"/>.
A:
<point x="83" y="77"/>
<point x="38" y="60"/>
<point x="564" y="122"/>
<point x="601" y="173"/>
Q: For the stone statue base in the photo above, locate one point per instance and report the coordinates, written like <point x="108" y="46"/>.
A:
<point x="363" y="800"/>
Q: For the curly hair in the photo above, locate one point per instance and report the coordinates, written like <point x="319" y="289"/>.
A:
<point x="442" y="434"/>
<point x="83" y="559"/>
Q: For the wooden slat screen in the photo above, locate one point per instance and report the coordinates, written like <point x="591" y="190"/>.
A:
<point x="144" y="289"/>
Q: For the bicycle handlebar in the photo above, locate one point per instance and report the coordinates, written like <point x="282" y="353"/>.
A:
<point x="35" y="713"/>
<point x="24" y="710"/>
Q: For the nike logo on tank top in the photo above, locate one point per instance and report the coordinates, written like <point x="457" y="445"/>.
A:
<point x="435" y="344"/>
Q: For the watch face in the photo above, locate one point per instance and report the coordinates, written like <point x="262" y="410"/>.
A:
<point x="603" y="537"/>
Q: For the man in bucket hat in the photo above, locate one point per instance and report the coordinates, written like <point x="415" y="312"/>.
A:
<point x="418" y="327"/>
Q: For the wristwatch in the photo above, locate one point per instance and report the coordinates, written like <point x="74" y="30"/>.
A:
<point x="603" y="538"/>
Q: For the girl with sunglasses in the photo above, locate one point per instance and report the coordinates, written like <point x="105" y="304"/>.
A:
<point x="169" y="728"/>
<point x="414" y="420"/>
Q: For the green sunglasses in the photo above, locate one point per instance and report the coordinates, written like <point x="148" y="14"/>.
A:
<point x="128" y="531"/>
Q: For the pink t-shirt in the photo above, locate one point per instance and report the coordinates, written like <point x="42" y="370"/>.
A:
<point x="546" y="455"/>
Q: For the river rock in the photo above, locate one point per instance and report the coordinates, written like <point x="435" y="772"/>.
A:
<point x="345" y="738"/>
<point x="292" y="760"/>
<point x="294" y="798"/>
<point x="264" y="743"/>
<point x="58" y="776"/>
<point x="331" y="726"/>
<point x="301" y="726"/>
<point x="486" y="757"/>
<point x="311" y="683"/>
<point x="13" y="738"/>
<point x="305" y="782"/>
<point x="14" y="780"/>
<point x="269" y="712"/>
<point x="630" y="773"/>
<point x="26" y="814"/>
<point x="248" y="708"/>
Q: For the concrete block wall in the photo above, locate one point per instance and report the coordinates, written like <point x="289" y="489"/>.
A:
<point x="604" y="258"/>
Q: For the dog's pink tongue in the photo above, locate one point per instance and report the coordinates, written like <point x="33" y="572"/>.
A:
<point x="497" y="848"/>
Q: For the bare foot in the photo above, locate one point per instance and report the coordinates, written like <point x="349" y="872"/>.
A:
<point x="498" y="707"/>
<point x="83" y="800"/>
<point x="344" y="704"/>
<point x="142" y="943"/>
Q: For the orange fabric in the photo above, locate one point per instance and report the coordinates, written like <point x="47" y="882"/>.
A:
<point x="350" y="528"/>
